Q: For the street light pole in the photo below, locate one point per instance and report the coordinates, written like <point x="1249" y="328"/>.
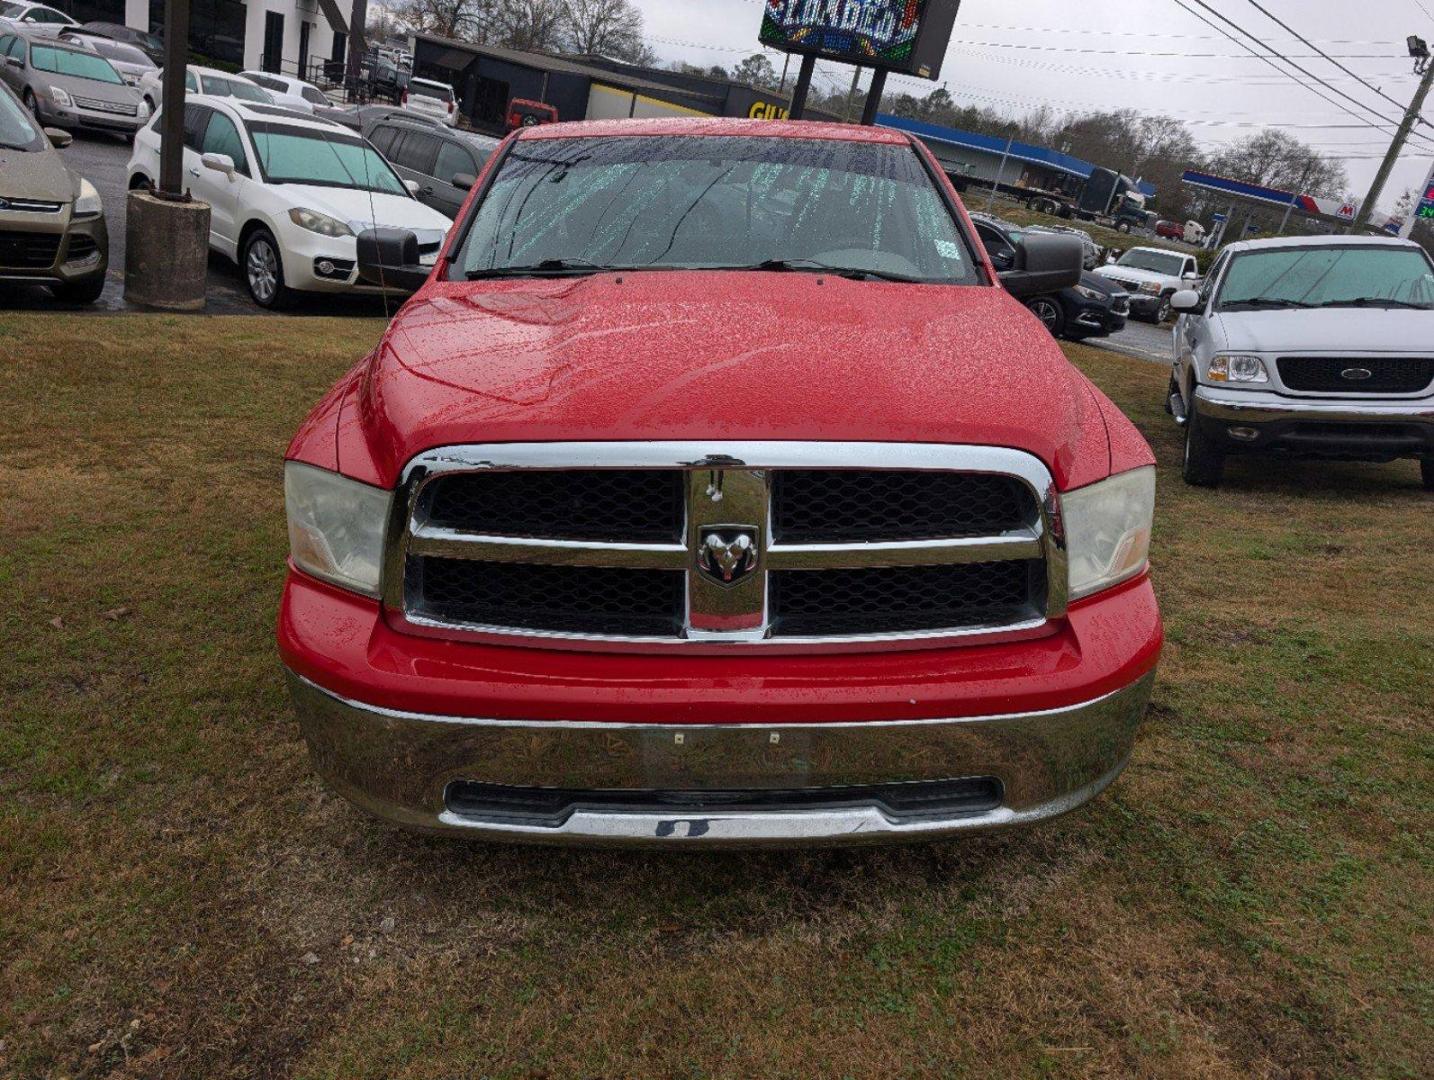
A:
<point x="171" y="132"/>
<point x="1420" y="52"/>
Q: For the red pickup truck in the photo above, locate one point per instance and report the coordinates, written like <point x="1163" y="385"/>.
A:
<point x="712" y="490"/>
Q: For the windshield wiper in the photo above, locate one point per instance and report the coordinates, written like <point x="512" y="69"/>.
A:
<point x="1267" y="301"/>
<point x="811" y="266"/>
<point x="1373" y="301"/>
<point x="545" y="268"/>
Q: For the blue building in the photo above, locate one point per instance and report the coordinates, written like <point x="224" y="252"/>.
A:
<point x="985" y="160"/>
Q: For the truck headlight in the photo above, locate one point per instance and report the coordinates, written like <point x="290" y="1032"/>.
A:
<point x="1107" y="530"/>
<point x="1151" y="288"/>
<point x="319" y="223"/>
<point x="88" y="204"/>
<point x="336" y="526"/>
<point x="1235" y="367"/>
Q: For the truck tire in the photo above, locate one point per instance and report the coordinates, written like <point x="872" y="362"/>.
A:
<point x="1426" y="473"/>
<point x="1162" y="313"/>
<point x="1204" y="462"/>
<point x="1122" y="226"/>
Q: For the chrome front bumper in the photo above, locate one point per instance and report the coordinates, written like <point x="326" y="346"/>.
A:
<point x="1266" y="406"/>
<point x="404" y="766"/>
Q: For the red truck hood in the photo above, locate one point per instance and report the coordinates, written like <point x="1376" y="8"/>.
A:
<point x="704" y="355"/>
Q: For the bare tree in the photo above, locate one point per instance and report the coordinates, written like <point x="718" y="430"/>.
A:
<point x="605" y="28"/>
<point x="1277" y="159"/>
<point x="464" y="20"/>
<point x="532" y="25"/>
<point x="756" y="71"/>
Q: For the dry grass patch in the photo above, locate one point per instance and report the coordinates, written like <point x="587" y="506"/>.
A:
<point x="182" y="898"/>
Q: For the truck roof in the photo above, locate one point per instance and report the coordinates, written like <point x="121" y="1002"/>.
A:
<point x="717" y="125"/>
<point x="1319" y="241"/>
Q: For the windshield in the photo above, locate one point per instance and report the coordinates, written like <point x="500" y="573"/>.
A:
<point x="17" y="131"/>
<point x="716" y="202"/>
<point x="221" y="87"/>
<point x="9" y="11"/>
<point x="1329" y="277"/>
<point x="309" y="156"/>
<point x="80" y="65"/>
<point x="1156" y="261"/>
<point x="430" y="90"/>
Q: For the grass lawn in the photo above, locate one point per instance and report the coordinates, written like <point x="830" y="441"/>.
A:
<point x="179" y="897"/>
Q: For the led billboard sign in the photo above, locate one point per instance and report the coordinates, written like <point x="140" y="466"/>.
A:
<point x="907" y="36"/>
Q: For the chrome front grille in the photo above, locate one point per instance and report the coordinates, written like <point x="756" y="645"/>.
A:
<point x="118" y="108"/>
<point x="30" y="206"/>
<point x="758" y="544"/>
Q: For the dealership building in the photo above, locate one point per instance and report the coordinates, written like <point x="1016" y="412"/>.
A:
<point x="486" y="78"/>
<point x="295" y="37"/>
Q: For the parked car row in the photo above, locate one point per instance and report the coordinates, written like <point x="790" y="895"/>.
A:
<point x="1093" y="307"/>
<point x="68" y="85"/>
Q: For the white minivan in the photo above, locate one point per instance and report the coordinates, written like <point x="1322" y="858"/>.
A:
<point x="431" y="99"/>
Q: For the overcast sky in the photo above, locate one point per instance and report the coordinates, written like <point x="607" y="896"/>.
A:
<point x="1101" y="54"/>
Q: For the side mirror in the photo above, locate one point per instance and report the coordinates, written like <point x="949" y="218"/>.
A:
<point x="219" y="163"/>
<point x="1185" y="300"/>
<point x="14" y="61"/>
<point x="1045" y="263"/>
<point x="389" y="257"/>
<point x="59" y="138"/>
<point x="1190" y="277"/>
<point x="464" y="181"/>
<point x="412" y="186"/>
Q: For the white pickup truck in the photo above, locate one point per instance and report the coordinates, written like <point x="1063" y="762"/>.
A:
<point x="1312" y="347"/>
<point x="1152" y="276"/>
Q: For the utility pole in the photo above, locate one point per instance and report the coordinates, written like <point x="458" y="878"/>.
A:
<point x="1419" y="50"/>
<point x="851" y="94"/>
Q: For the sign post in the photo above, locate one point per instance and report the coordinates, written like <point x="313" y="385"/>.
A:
<point x="905" y="36"/>
<point x="1423" y="210"/>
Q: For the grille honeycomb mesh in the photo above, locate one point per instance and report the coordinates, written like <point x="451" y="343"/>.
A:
<point x="632" y="505"/>
<point x="574" y="599"/>
<point x="891" y="600"/>
<point x="834" y="505"/>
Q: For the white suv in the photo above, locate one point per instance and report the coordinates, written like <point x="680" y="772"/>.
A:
<point x="431" y="99"/>
<point x="1152" y="276"/>
<point x="288" y="195"/>
<point x="1313" y="347"/>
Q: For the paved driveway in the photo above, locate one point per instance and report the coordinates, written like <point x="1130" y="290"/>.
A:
<point x="102" y="160"/>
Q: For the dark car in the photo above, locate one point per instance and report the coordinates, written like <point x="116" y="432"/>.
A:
<point x="443" y="161"/>
<point x="1093" y="308"/>
<point x="363" y="117"/>
<point x="151" y="45"/>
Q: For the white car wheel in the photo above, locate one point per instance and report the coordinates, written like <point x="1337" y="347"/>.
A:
<point x="264" y="270"/>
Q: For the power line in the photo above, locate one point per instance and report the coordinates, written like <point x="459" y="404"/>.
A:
<point x="1343" y="108"/>
<point x="1286" y="26"/>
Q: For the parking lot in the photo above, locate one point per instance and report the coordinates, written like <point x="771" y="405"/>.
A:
<point x="102" y="160"/>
